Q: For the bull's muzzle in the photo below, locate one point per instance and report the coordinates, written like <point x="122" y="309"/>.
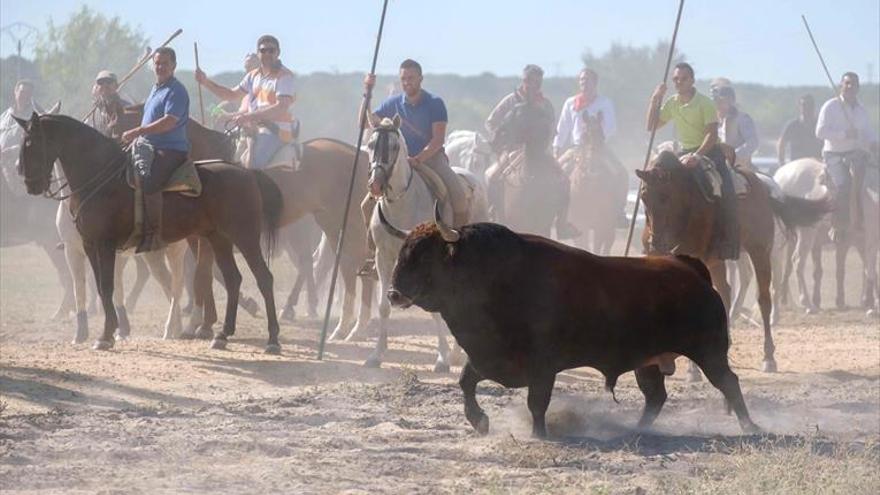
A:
<point x="398" y="300"/>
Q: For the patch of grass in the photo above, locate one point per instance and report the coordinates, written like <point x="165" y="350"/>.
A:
<point x="804" y="467"/>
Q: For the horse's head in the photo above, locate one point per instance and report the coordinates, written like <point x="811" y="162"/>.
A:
<point x="37" y="156"/>
<point x="672" y="199"/>
<point x="527" y="124"/>
<point x="384" y="148"/>
<point x="593" y="135"/>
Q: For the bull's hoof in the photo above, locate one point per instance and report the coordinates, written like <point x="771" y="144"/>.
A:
<point x="769" y="366"/>
<point x="288" y="315"/>
<point x="203" y="333"/>
<point x="103" y="345"/>
<point x="273" y="349"/>
<point x="218" y="344"/>
<point x="441" y="367"/>
<point x="372" y="362"/>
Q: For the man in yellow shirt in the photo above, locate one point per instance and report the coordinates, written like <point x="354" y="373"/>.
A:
<point x="696" y="123"/>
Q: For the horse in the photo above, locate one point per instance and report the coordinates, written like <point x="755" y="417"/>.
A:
<point x="531" y="178"/>
<point x="469" y="150"/>
<point x="680" y="220"/>
<point x="235" y="208"/>
<point x="599" y="185"/>
<point x="405" y="198"/>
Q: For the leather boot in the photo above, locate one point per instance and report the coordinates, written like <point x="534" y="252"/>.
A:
<point x="152" y="238"/>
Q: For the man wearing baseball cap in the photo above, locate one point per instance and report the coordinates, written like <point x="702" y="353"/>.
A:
<point x="105" y="92"/>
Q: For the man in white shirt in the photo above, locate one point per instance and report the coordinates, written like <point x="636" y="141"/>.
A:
<point x="845" y="127"/>
<point x="588" y="102"/>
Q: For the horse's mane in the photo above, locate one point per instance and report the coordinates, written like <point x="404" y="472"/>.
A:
<point x="83" y="130"/>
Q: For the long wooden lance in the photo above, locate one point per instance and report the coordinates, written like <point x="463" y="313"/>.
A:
<point x="362" y="122"/>
<point x="834" y="87"/>
<point x="134" y="69"/>
<point x="632" y="222"/>
<point x="201" y="102"/>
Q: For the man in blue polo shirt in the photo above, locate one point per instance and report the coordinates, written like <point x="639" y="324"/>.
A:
<point x="162" y="132"/>
<point x="423" y="122"/>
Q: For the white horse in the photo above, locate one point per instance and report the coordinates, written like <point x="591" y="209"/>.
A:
<point x="469" y="150"/>
<point x="407" y="201"/>
<point x="172" y="283"/>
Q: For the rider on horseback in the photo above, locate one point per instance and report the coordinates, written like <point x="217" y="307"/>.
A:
<point x="844" y="125"/>
<point x="160" y="139"/>
<point x="527" y="100"/>
<point x="737" y="128"/>
<point x="423" y="126"/>
<point x="697" y="124"/>
<point x="570" y="128"/>
<point x="108" y="101"/>
<point x="269" y="90"/>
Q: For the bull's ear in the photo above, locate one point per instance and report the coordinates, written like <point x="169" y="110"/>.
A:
<point x="396" y="121"/>
<point x="21" y="122"/>
<point x="644" y="175"/>
<point x="451" y="248"/>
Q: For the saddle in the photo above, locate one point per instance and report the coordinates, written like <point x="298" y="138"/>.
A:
<point x="711" y="185"/>
<point x="185" y="179"/>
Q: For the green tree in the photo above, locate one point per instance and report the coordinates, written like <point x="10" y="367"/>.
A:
<point x="69" y="56"/>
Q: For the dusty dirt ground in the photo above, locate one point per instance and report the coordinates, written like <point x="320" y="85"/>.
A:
<point x="155" y="416"/>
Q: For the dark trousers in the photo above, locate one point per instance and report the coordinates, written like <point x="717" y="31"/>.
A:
<point x="165" y="162"/>
<point x="725" y="237"/>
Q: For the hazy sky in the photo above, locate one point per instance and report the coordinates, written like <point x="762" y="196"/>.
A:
<point x="746" y="40"/>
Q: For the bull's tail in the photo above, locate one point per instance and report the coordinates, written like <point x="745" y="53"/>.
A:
<point x="697" y="265"/>
<point x="800" y="212"/>
<point x="273" y="202"/>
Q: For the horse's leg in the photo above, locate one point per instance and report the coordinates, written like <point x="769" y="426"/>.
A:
<point x="806" y="238"/>
<point x="222" y="248"/>
<point x="760" y="256"/>
<point x="140" y="281"/>
<point x="384" y="266"/>
<point x="59" y="262"/>
<point x="119" y="297"/>
<point x="156" y="262"/>
<point x="816" y="255"/>
<point x="840" y="269"/>
<point x="788" y="264"/>
<point x="76" y="263"/>
<point x="441" y="365"/>
<point x="251" y="251"/>
<point x="368" y="285"/>
<point x="744" y="279"/>
<point x="289" y="311"/>
<point x="718" y="271"/>
<point x="175" y="254"/>
<point x="307" y="262"/>
<point x="189" y="276"/>
<point x="103" y="261"/>
<point x="204" y="313"/>
<point x="346" y="319"/>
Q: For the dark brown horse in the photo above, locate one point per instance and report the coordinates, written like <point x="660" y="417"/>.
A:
<point x="598" y="189"/>
<point x="680" y="220"/>
<point x="236" y="206"/>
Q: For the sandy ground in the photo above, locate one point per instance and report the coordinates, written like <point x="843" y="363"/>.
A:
<point x="157" y="416"/>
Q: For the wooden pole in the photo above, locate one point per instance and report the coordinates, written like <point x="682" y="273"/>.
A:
<point x="827" y="72"/>
<point x="134" y="69"/>
<point x="201" y="102"/>
<point x="357" y="154"/>
<point x="632" y="223"/>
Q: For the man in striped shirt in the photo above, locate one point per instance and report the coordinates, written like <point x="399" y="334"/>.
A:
<point x="270" y="92"/>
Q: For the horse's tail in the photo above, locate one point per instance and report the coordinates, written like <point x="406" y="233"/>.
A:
<point x="273" y="202"/>
<point x="799" y="212"/>
<point x="696" y="265"/>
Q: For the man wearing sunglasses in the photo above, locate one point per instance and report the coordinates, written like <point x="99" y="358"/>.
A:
<point x="105" y="91"/>
<point x="270" y="92"/>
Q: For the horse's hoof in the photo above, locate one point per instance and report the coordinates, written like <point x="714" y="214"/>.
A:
<point x="273" y="349"/>
<point x="218" y="344"/>
<point x="769" y="366"/>
<point x="373" y="362"/>
<point x="187" y="334"/>
<point x="288" y="315"/>
<point x="441" y="367"/>
<point x="203" y="333"/>
<point x="872" y="313"/>
<point x="103" y="345"/>
<point x="356" y="335"/>
<point x="811" y="311"/>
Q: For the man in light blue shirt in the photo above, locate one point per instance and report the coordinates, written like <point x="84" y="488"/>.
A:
<point x="163" y="128"/>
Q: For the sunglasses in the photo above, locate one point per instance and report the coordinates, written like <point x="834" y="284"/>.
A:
<point x="268" y="49"/>
<point x="105" y="82"/>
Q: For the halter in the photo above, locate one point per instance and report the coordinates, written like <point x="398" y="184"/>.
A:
<point x="385" y="165"/>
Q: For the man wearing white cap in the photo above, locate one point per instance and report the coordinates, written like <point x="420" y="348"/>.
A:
<point x="105" y="91"/>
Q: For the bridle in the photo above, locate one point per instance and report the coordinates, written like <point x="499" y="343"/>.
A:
<point x="381" y="161"/>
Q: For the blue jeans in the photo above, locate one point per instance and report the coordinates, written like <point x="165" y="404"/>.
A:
<point x="264" y="147"/>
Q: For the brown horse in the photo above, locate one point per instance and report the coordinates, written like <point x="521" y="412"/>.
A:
<point x="236" y="206"/>
<point x="598" y="189"/>
<point x="680" y="220"/>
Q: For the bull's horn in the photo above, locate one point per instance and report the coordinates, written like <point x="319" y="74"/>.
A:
<point x="448" y="233"/>
<point x="400" y="234"/>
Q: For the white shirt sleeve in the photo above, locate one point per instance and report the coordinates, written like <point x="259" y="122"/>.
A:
<point x="565" y="126"/>
<point x="827" y="126"/>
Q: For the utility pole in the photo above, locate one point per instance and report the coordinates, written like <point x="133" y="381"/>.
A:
<point x="19" y="33"/>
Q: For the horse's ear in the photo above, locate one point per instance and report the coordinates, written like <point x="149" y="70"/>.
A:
<point x="21" y="122"/>
<point x="55" y="108"/>
<point x="396" y="121"/>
